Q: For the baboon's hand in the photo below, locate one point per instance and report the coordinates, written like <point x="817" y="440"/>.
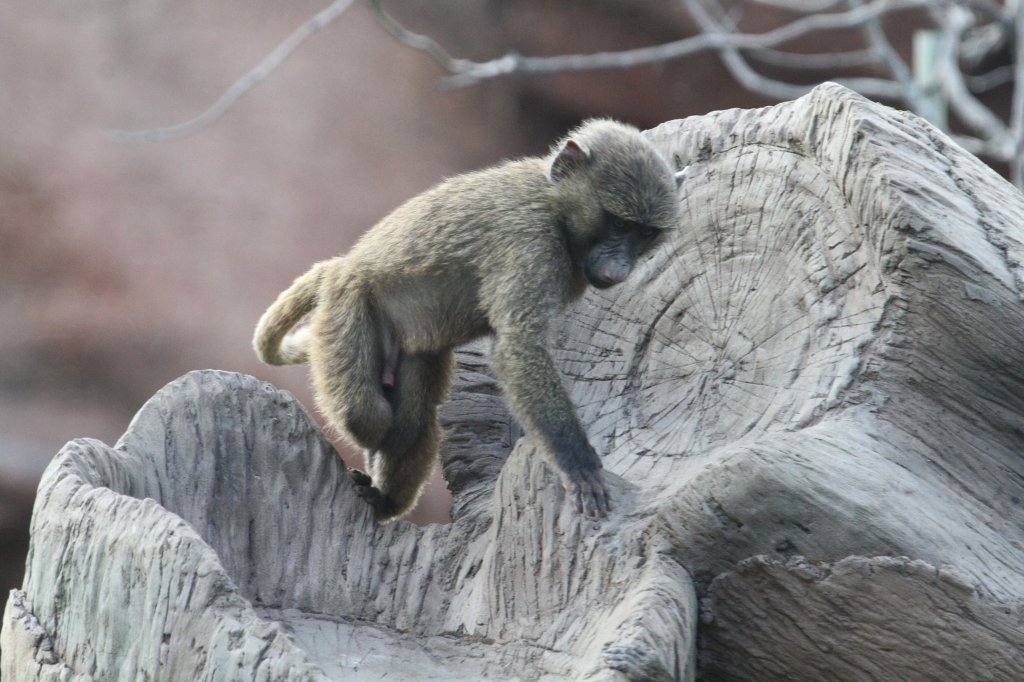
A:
<point x="588" y="492"/>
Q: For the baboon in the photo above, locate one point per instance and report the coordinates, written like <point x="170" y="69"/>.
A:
<point x="500" y="251"/>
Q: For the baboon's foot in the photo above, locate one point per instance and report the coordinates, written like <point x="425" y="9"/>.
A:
<point x="384" y="508"/>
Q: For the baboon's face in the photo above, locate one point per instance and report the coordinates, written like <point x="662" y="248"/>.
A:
<point x="621" y="242"/>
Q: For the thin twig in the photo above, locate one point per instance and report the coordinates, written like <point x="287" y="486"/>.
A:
<point x="418" y="41"/>
<point x="1001" y="75"/>
<point x="801" y="6"/>
<point x="1017" y="105"/>
<point x="968" y="109"/>
<point x="240" y="87"/>
<point x="735" y="62"/>
<point x="755" y="82"/>
<point x="898" y="69"/>
<point x="467" y="72"/>
<point x="815" y="61"/>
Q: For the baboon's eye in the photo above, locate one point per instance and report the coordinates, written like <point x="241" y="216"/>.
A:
<point x="647" y="231"/>
<point x="618" y="223"/>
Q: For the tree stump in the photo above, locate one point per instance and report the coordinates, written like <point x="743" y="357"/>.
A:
<point x="809" y="402"/>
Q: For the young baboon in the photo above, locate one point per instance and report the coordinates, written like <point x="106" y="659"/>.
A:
<point x="500" y="251"/>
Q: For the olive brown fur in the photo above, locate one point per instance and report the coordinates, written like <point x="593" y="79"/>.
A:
<point x="499" y="252"/>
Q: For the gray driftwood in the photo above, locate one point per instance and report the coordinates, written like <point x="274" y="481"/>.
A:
<point x="810" y="403"/>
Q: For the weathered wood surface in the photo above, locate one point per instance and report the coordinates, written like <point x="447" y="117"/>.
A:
<point x="810" y="403"/>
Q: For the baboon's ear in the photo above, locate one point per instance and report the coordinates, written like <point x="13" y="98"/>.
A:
<point x="571" y="157"/>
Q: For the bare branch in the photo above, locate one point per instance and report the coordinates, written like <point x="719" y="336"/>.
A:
<point x="801" y="6"/>
<point x="738" y="66"/>
<point x="418" y="41"/>
<point x="1017" y="107"/>
<point x="993" y="10"/>
<point x="756" y="82"/>
<point x="901" y="74"/>
<point x="737" y="50"/>
<point x="1000" y="75"/>
<point x="981" y="42"/>
<point x="240" y="87"/>
<point x="467" y="72"/>
<point x="972" y="112"/>
<point x="815" y="61"/>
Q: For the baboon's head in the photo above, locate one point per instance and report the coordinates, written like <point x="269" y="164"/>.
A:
<point x="617" y="196"/>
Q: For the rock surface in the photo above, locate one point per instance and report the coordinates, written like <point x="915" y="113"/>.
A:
<point x="810" y="404"/>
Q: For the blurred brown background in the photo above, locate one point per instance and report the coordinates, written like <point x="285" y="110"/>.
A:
<point x="123" y="267"/>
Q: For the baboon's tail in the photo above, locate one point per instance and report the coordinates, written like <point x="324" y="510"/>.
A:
<point x="291" y="306"/>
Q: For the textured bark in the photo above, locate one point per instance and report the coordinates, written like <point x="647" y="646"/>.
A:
<point x="809" y="403"/>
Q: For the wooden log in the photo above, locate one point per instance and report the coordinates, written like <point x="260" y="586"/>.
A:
<point x="809" y="403"/>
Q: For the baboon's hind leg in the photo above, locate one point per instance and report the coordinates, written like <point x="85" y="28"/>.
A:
<point x="347" y="359"/>
<point x="405" y="459"/>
